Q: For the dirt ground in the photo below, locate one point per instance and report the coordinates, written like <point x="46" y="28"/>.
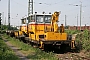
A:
<point x="74" y="56"/>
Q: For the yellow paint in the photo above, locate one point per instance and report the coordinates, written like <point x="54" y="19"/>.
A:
<point x="56" y="36"/>
<point x="16" y="33"/>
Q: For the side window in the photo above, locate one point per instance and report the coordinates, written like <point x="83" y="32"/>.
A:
<point x="23" y="21"/>
<point x="32" y="18"/>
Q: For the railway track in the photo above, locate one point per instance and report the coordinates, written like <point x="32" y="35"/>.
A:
<point x="72" y="56"/>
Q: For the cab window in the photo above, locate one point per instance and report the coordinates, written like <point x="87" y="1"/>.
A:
<point x="47" y="19"/>
<point x="32" y="18"/>
<point x="40" y="19"/>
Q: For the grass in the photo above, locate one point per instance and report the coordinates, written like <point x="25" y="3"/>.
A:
<point x="5" y="52"/>
<point x="41" y="55"/>
<point x="31" y="53"/>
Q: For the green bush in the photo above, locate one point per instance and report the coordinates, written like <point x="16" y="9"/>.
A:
<point x="84" y="40"/>
<point x="8" y="55"/>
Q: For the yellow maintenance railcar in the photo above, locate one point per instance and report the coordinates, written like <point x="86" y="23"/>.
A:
<point x="43" y="30"/>
<point x="22" y="32"/>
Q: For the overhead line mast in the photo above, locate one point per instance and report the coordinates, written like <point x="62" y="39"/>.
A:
<point x="30" y="8"/>
<point x="30" y="11"/>
<point x="9" y="14"/>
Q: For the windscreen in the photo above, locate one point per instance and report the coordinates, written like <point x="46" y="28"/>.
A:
<point x="40" y="19"/>
<point x="47" y="18"/>
<point x="43" y="18"/>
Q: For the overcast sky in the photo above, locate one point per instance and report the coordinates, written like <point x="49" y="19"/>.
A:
<point x="19" y="8"/>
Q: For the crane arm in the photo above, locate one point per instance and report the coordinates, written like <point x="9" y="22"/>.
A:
<point x="54" y="20"/>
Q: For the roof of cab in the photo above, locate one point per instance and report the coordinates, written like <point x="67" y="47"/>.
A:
<point x="34" y="14"/>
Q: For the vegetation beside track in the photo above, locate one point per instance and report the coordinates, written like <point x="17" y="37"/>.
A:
<point x="84" y="40"/>
<point x="29" y="51"/>
<point x="72" y="31"/>
<point x="5" y="52"/>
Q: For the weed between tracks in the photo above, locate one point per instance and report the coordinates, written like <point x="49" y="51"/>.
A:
<point x="5" y="52"/>
<point x="30" y="52"/>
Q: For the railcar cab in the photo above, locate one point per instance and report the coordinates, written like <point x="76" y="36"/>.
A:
<point x="23" y="26"/>
<point x="38" y="22"/>
<point x="40" y="18"/>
